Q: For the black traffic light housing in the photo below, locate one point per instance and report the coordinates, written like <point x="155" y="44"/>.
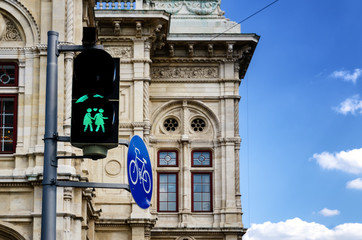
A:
<point x="95" y="96"/>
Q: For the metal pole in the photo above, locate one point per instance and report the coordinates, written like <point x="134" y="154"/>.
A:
<point x="49" y="208"/>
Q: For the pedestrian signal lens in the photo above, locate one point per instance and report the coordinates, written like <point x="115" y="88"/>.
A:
<point x="94" y="120"/>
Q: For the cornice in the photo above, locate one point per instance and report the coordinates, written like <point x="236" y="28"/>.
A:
<point x="16" y="184"/>
<point x="195" y="81"/>
<point x="117" y="223"/>
<point x="197" y="231"/>
<point x="232" y="140"/>
<point x="187" y="60"/>
<point x="185" y="81"/>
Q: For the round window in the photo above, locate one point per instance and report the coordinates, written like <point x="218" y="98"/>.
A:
<point x="198" y="125"/>
<point x="170" y="124"/>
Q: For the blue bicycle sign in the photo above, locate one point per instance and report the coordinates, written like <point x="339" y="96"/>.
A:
<point x="139" y="172"/>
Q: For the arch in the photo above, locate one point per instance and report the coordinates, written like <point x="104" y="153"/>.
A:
<point x="11" y="232"/>
<point x="192" y="104"/>
<point x="185" y="238"/>
<point x="23" y="19"/>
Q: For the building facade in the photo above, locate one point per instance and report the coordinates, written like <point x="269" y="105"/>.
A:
<point x="180" y="65"/>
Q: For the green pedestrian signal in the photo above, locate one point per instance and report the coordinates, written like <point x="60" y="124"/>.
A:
<point x="94" y="124"/>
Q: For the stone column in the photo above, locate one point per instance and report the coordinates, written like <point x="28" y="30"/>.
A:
<point x="146" y="92"/>
<point x="185" y="169"/>
<point x="68" y="66"/>
<point x="138" y="85"/>
<point x="67" y="195"/>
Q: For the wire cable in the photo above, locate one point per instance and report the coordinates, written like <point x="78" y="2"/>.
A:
<point x="250" y="16"/>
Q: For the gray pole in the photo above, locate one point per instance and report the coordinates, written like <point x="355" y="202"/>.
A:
<point x="49" y="207"/>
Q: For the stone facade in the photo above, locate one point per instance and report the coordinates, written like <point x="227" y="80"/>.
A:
<point x="181" y="62"/>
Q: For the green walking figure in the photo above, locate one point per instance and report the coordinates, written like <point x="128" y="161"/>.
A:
<point x="99" y="122"/>
<point x="87" y="121"/>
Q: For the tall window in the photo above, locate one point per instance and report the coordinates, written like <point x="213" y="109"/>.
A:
<point x="167" y="181"/>
<point x="167" y="192"/>
<point x="8" y="107"/>
<point x="7" y="123"/>
<point x="201" y="192"/>
<point x="201" y="180"/>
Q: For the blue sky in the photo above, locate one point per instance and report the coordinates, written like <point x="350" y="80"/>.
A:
<point x="301" y="119"/>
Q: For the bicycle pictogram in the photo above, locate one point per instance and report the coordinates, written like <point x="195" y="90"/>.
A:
<point x="139" y="173"/>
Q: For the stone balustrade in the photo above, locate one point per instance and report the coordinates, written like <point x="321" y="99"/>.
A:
<point x="118" y="4"/>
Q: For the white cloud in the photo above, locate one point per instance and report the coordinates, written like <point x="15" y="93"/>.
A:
<point x="298" y="229"/>
<point x="346" y="161"/>
<point x="355" y="184"/>
<point x="350" y="105"/>
<point x="328" y="212"/>
<point x="347" y="75"/>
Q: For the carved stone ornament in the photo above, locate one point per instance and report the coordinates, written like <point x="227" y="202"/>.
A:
<point x="202" y="7"/>
<point x="8" y="30"/>
<point x="113" y="167"/>
<point x="172" y="7"/>
<point x="119" y="52"/>
<point x="184" y="72"/>
<point x="198" y="7"/>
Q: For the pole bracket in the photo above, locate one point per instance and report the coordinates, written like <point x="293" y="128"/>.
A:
<point x="93" y="185"/>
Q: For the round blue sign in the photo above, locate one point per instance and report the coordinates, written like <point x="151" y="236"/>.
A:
<point x="139" y="172"/>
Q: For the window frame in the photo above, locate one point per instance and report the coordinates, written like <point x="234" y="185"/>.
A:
<point x="16" y="74"/>
<point x="167" y="150"/>
<point x="211" y="191"/>
<point x="15" y="118"/>
<point x="158" y="192"/>
<point x="202" y="166"/>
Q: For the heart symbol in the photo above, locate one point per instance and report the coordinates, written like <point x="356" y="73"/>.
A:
<point x="95" y="109"/>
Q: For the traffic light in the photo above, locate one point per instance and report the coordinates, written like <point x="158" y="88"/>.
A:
<point x="95" y="96"/>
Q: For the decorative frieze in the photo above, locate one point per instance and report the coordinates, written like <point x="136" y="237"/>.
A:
<point x="184" y="72"/>
<point x="190" y="7"/>
<point x="120" y="52"/>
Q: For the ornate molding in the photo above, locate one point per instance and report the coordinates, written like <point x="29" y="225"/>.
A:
<point x="202" y="7"/>
<point x="235" y="140"/>
<point x="141" y="60"/>
<point x="185" y="80"/>
<point x="197" y="231"/>
<point x="189" y="7"/>
<point x="119" y="52"/>
<point x="184" y="72"/>
<point x="16" y="184"/>
<point x="188" y="60"/>
<point x="125" y="125"/>
<point x="29" y="17"/>
<point x="172" y="7"/>
<point x="68" y="193"/>
<point x="8" y="30"/>
<point x="138" y="124"/>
